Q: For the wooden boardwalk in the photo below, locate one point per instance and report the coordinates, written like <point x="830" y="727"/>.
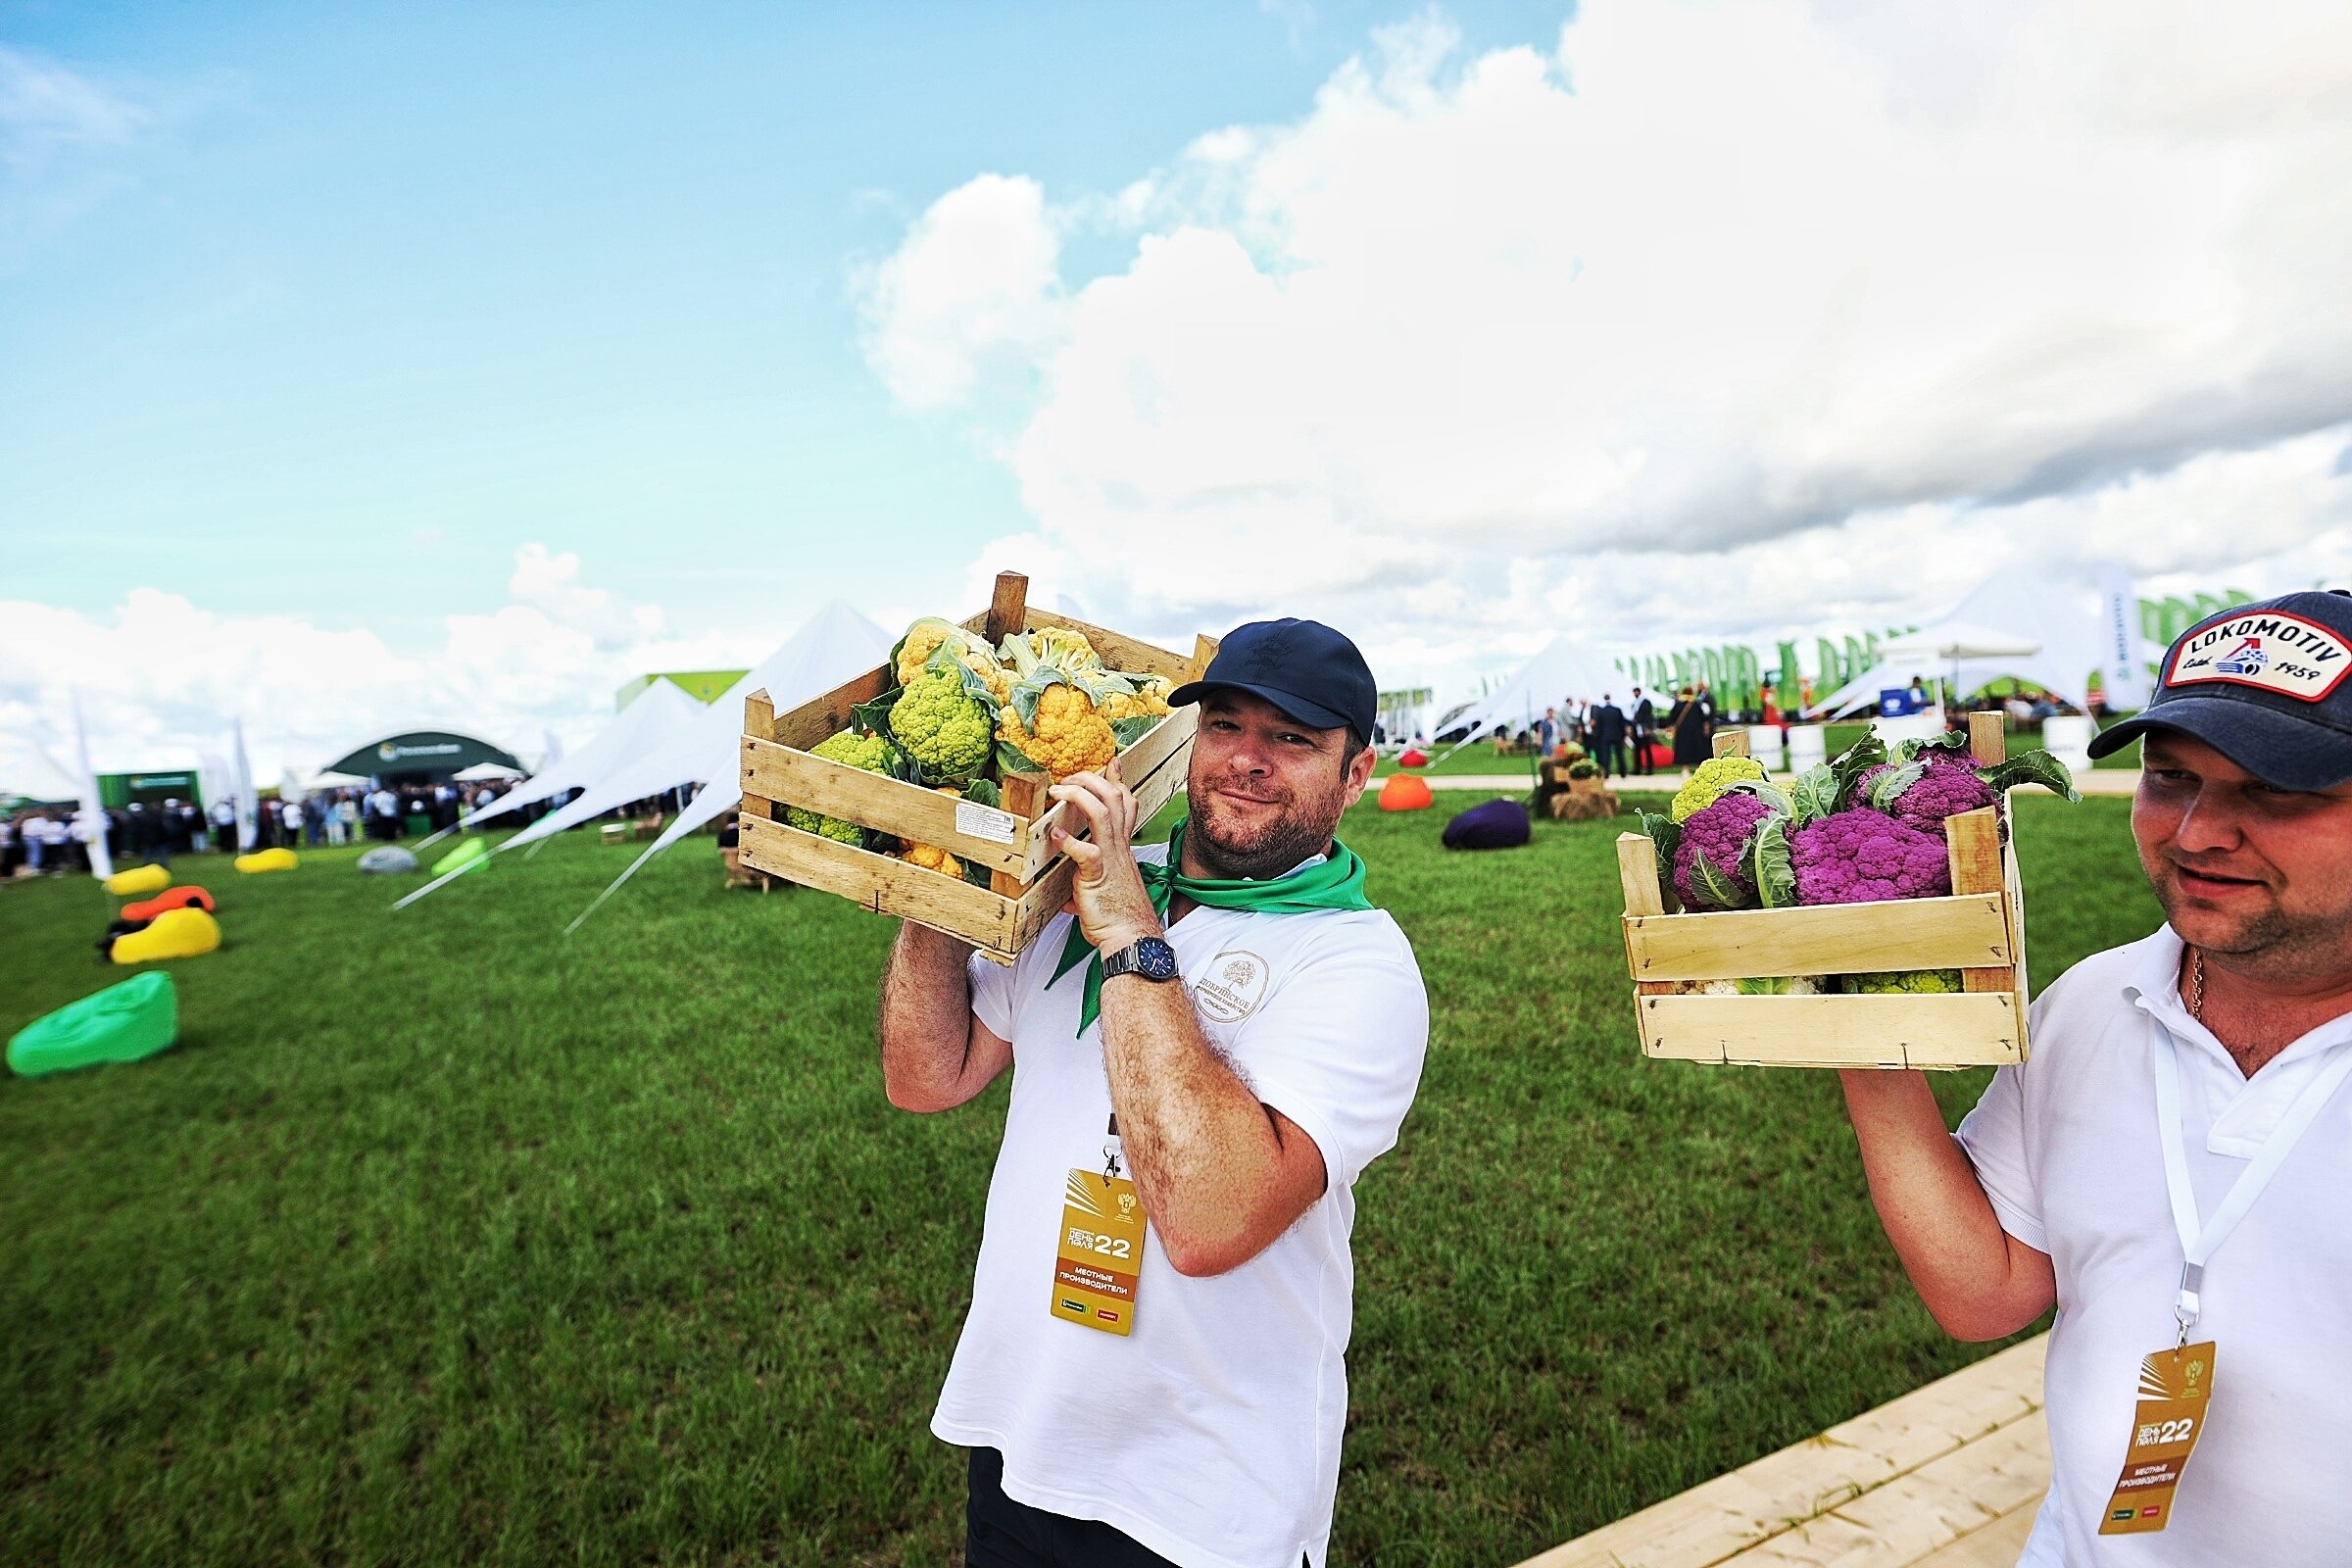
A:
<point x="1945" y="1477"/>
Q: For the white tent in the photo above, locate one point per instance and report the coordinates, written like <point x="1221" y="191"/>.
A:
<point x="837" y="643"/>
<point x="2061" y="631"/>
<point x="656" y="709"/>
<point x="1565" y="669"/>
<point x="700" y="745"/>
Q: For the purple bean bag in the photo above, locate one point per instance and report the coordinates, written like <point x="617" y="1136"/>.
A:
<point x="1499" y="824"/>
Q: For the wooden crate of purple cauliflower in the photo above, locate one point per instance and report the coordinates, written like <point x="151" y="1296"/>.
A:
<point x="1864" y="914"/>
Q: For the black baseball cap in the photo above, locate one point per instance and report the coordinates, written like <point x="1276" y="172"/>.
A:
<point x="2263" y="684"/>
<point x="1304" y="668"/>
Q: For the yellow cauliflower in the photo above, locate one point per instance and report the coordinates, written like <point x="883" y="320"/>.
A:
<point x="930" y="857"/>
<point x="1149" y="699"/>
<point x="1061" y="731"/>
<point x="927" y="636"/>
<point x="1058" y="645"/>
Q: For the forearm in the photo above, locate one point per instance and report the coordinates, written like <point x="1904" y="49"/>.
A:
<point x="1205" y="1153"/>
<point x="926" y="1022"/>
<point x="1974" y="1279"/>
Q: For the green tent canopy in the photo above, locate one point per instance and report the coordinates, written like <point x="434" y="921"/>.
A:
<point x="432" y="754"/>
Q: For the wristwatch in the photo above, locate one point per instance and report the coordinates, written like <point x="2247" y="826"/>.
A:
<point x="1148" y="957"/>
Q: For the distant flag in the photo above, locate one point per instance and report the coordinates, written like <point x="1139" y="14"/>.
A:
<point x="90" y="822"/>
<point x="249" y="832"/>
<point x="2122" y="668"/>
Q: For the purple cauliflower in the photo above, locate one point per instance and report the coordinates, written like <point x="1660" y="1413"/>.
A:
<point x="1861" y="857"/>
<point x="1950" y="785"/>
<point x="1720" y="832"/>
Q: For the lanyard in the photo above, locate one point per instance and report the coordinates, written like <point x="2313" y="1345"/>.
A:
<point x="2200" y="1239"/>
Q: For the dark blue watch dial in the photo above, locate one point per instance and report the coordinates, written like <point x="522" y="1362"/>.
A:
<point x="1155" y="960"/>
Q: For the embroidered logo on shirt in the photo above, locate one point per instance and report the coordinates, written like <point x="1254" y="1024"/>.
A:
<point x="1233" y="987"/>
<point x="2267" y="649"/>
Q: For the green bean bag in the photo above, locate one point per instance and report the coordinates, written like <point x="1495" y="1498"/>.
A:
<point x="137" y="880"/>
<point x="124" y="1022"/>
<point x="277" y="860"/>
<point x="471" y="852"/>
<point x="173" y="934"/>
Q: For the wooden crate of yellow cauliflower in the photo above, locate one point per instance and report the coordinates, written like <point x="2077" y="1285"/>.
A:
<point x="890" y="802"/>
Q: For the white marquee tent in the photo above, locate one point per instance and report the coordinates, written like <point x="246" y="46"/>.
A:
<point x="700" y="744"/>
<point x="1565" y="669"/>
<point x="656" y="709"/>
<point x="2018" y="608"/>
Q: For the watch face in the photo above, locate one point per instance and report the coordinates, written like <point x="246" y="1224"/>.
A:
<point x="1155" y="960"/>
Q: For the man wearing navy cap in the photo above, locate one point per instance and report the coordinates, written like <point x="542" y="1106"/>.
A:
<point x="1206" y="1055"/>
<point x="2172" y="1167"/>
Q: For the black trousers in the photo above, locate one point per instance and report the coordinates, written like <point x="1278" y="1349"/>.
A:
<point x="999" y="1533"/>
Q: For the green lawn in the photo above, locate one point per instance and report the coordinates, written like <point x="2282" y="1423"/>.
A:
<point x="443" y="1238"/>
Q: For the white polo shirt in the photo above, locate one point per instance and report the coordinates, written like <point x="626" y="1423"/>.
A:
<point x="1211" y="1434"/>
<point x="2067" y="1149"/>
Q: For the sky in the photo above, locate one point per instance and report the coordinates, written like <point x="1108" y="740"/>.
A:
<point x="385" y="365"/>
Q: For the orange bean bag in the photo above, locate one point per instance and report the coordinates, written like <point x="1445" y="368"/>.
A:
<point x="1406" y="792"/>
<point x="174" y="899"/>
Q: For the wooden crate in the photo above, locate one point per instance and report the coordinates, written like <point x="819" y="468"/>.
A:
<point x="1979" y="930"/>
<point x="1029" y="882"/>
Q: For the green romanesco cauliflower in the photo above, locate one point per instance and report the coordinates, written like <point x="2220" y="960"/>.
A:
<point x="943" y="725"/>
<point x="869" y="752"/>
<point x="1895" y="982"/>
<point x="1710" y="780"/>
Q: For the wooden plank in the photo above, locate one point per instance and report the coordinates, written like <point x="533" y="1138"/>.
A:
<point x="1824" y="938"/>
<point x="759" y="720"/>
<point x="820" y="718"/>
<point x="1987" y="739"/>
<point x="1716" y="1521"/>
<point x="1953" y="1497"/>
<point x="1205" y="650"/>
<point x="1998" y="1544"/>
<point x="1732" y="742"/>
<point x="2013" y="894"/>
<point x="1024" y="796"/>
<point x="880" y="883"/>
<point x="1973" y="840"/>
<point x="1638" y="874"/>
<point x="1008" y="608"/>
<point x="819" y="784"/>
<point x="1905" y="1030"/>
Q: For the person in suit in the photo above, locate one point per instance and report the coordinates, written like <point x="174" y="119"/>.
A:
<point x="1607" y="723"/>
<point x="1645" y="719"/>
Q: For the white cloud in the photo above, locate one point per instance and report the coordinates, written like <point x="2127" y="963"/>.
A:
<point x="43" y="105"/>
<point x="972" y="291"/>
<point x="1716" y="317"/>
<point x="160" y="678"/>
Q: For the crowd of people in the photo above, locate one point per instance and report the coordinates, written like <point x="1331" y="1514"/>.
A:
<point x="1632" y="736"/>
<point x="52" y="839"/>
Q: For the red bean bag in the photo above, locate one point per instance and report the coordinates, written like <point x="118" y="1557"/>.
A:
<point x="1412" y="757"/>
<point x="1406" y="792"/>
<point x="169" y="898"/>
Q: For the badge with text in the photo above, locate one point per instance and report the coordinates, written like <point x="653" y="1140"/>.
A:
<point x="1101" y="1251"/>
<point x="2174" y="1388"/>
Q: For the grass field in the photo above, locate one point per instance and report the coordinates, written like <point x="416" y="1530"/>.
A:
<point x="443" y="1238"/>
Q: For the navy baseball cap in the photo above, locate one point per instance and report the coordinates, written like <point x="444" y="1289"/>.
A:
<point x="2264" y="685"/>
<point x="1304" y="668"/>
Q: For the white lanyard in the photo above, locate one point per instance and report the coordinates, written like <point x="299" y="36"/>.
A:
<point x="2199" y="1241"/>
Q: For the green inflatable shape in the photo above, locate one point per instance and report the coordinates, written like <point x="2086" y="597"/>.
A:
<point x="469" y="851"/>
<point x="124" y="1022"/>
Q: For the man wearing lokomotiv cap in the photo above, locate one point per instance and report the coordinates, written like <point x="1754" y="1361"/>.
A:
<point x="1204" y="1057"/>
<point x="2172" y="1167"/>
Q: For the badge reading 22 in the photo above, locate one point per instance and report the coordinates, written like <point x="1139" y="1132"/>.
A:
<point x="1100" y="1251"/>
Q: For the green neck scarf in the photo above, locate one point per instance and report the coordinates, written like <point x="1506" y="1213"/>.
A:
<point x="1334" y="883"/>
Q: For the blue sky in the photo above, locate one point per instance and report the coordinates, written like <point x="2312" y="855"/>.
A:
<point x="365" y="298"/>
<point x="365" y="365"/>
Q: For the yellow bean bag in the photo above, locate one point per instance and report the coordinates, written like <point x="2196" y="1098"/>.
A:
<point x="139" y="879"/>
<point x="277" y="860"/>
<point x="173" y="934"/>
